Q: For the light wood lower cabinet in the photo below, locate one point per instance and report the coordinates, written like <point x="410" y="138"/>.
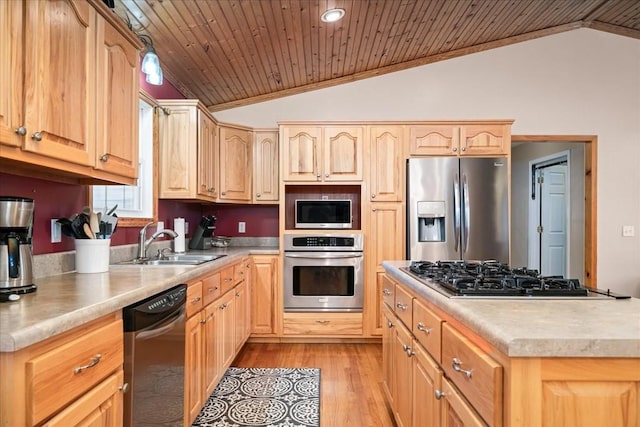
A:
<point x="72" y="379"/>
<point x="470" y="383"/>
<point x="264" y="277"/>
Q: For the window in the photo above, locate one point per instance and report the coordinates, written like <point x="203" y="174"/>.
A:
<point x="136" y="204"/>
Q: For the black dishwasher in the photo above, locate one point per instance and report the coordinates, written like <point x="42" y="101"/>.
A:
<point x="154" y="340"/>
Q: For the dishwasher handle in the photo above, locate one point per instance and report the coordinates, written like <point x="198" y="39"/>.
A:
<point x="317" y="255"/>
<point x="161" y="328"/>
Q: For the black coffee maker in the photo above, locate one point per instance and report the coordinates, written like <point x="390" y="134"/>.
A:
<point x="16" y="227"/>
<point x="201" y="238"/>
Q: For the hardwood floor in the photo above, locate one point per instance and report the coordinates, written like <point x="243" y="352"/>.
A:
<point x="350" y="378"/>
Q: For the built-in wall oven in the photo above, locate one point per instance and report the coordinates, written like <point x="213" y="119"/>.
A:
<point x="323" y="272"/>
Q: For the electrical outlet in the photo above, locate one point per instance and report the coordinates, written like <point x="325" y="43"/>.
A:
<point x="241" y="227"/>
<point x="628" y="231"/>
<point x="56" y="231"/>
<point x="160" y="226"/>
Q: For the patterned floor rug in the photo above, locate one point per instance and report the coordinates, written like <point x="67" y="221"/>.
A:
<point x="273" y="397"/>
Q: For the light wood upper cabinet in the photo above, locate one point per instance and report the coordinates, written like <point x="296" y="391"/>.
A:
<point x="11" y="72"/>
<point x="342" y="153"/>
<point x="322" y="154"/>
<point x="117" y="103"/>
<point x="59" y="70"/>
<point x="71" y="85"/>
<point x="482" y="138"/>
<point x="236" y="160"/>
<point x="207" y="179"/>
<point x="386" y="171"/>
<point x="265" y="166"/>
<point x="188" y="137"/>
<point x="301" y="147"/>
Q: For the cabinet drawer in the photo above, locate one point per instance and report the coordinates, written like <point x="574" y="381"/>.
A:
<point x="427" y="328"/>
<point x="403" y="306"/>
<point x="474" y="372"/>
<point x="388" y="291"/>
<point x="227" y="279"/>
<point x="194" y="298"/>
<point x="211" y="288"/>
<point x="323" y="323"/>
<point x="59" y="376"/>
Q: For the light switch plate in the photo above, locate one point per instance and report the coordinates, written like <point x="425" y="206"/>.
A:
<point x="241" y="227"/>
<point x="628" y="231"/>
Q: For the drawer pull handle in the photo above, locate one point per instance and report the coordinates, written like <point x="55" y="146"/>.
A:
<point x="402" y="307"/>
<point x="195" y="300"/>
<point x="456" y="367"/>
<point x="213" y="289"/>
<point x="439" y="394"/>
<point x="386" y="292"/>
<point x="223" y="306"/>
<point x="409" y="352"/>
<point x="124" y="387"/>
<point x="423" y="329"/>
<point x="228" y="279"/>
<point x="94" y="361"/>
<point x="389" y="324"/>
<point x="322" y="322"/>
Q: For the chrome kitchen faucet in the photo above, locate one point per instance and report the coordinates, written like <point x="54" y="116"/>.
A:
<point x="143" y="242"/>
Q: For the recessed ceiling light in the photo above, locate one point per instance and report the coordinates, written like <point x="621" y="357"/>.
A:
<point x="332" y="15"/>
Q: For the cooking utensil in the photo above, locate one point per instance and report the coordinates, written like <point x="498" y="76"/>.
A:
<point x="112" y="210"/>
<point x="65" y="227"/>
<point x="93" y="222"/>
<point x="77" y="225"/>
<point x="87" y="230"/>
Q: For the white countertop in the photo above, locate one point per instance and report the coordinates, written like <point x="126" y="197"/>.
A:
<point x="539" y="327"/>
<point x="65" y="301"/>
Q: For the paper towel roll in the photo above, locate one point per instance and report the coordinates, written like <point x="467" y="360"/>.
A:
<point x="178" y="242"/>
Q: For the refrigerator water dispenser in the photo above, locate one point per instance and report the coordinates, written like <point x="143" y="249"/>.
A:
<point x="431" y="221"/>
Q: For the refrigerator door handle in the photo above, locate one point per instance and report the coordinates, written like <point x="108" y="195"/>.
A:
<point x="467" y="212"/>
<point x="456" y="210"/>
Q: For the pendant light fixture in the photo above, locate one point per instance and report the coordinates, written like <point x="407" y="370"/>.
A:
<point x="150" y="62"/>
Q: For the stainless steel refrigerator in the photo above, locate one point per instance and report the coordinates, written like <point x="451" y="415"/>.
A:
<point x="457" y="209"/>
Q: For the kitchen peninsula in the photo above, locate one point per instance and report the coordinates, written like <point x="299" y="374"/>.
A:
<point x="70" y="332"/>
<point x="508" y="362"/>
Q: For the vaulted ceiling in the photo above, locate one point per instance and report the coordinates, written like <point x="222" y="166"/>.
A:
<point x="235" y="52"/>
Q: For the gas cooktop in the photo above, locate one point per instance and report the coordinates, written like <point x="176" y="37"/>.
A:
<point x="487" y="279"/>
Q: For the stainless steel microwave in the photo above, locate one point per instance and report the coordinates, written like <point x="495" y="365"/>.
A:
<point x="323" y="214"/>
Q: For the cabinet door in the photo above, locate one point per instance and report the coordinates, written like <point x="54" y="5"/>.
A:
<point x="99" y="407"/>
<point x="193" y="368"/>
<point x="178" y="152"/>
<point x="59" y="70"/>
<point x="434" y="140"/>
<point x="207" y="157"/>
<point x="11" y="61"/>
<point x="485" y="139"/>
<point x="456" y="412"/>
<point x="117" y="102"/>
<point x="263" y="280"/>
<point x="386" y="241"/>
<point x="342" y="150"/>
<point x="210" y="347"/>
<point x="386" y="174"/>
<point x="388" y="341"/>
<point x="265" y="167"/>
<point x="427" y="378"/>
<point x="226" y="330"/>
<point x="235" y="164"/>
<point x="240" y="315"/>
<point x="301" y="151"/>
<point x="402" y="364"/>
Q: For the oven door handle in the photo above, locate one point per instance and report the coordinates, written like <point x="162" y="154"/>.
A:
<point x="323" y="256"/>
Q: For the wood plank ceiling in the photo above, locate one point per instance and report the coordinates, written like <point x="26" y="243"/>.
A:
<point x="229" y="53"/>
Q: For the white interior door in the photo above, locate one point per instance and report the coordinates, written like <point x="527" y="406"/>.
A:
<point x="549" y="215"/>
<point x="553" y="220"/>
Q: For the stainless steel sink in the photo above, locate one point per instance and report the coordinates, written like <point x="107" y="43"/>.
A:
<point x="175" y="259"/>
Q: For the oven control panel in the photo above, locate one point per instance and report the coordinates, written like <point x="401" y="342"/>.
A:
<point x="297" y="242"/>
